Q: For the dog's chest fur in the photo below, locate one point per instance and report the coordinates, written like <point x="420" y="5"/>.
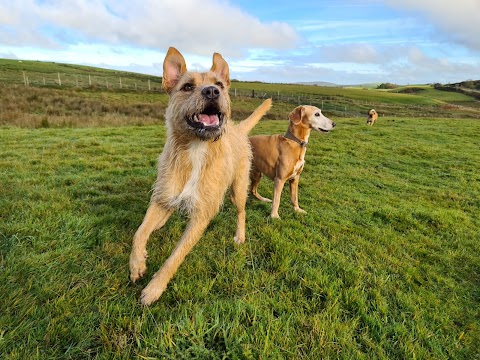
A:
<point x="186" y="198"/>
<point x="298" y="168"/>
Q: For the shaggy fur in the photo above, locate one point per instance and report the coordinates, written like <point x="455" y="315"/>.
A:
<point x="204" y="155"/>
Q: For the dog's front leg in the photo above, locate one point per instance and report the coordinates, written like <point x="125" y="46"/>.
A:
<point x="239" y="199"/>
<point x="190" y="237"/>
<point x="294" y="194"/>
<point x="277" y="192"/>
<point x="155" y="217"/>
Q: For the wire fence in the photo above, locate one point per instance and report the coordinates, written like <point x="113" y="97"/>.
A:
<point x="108" y="81"/>
<point x="333" y="105"/>
<point x="342" y="106"/>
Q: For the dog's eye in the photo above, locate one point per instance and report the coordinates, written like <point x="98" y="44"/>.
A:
<point x="187" y="87"/>
<point x="317" y="114"/>
<point x="219" y="84"/>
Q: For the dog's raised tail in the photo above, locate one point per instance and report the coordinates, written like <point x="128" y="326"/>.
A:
<point x="249" y="123"/>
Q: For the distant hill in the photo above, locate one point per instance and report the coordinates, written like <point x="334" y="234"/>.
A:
<point x="469" y="87"/>
<point x="364" y="86"/>
<point x="319" y="83"/>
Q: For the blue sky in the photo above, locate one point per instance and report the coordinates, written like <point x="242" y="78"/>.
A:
<point x="341" y="41"/>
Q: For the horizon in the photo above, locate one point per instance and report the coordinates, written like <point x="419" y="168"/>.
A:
<point x="344" y="43"/>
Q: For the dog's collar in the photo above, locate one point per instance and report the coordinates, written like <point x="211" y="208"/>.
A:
<point x="290" y="136"/>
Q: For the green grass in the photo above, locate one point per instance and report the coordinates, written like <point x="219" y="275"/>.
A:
<point x="41" y="73"/>
<point x="384" y="265"/>
<point x="338" y="92"/>
<point x="429" y="91"/>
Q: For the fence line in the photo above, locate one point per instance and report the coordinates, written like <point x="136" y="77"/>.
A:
<point x="334" y="104"/>
<point x="83" y="81"/>
<point x="340" y="105"/>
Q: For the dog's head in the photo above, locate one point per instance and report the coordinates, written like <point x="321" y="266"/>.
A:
<point x="372" y="113"/>
<point x="199" y="102"/>
<point x="311" y="117"/>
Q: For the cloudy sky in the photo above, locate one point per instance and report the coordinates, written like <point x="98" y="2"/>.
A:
<point x="341" y="41"/>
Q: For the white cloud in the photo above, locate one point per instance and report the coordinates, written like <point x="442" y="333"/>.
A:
<point x="191" y="26"/>
<point x="457" y="20"/>
<point x="354" y="53"/>
<point x="8" y="55"/>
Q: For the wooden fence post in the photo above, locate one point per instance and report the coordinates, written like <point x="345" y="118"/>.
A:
<point x="24" y="79"/>
<point x="59" y="80"/>
<point x="120" y="82"/>
<point x="148" y="84"/>
<point x="89" y="80"/>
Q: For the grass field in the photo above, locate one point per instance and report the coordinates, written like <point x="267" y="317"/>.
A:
<point x="385" y="265"/>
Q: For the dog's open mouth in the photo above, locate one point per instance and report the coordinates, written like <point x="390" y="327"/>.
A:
<point x="205" y="120"/>
<point x="211" y="118"/>
<point x="323" y="130"/>
<point x="207" y="124"/>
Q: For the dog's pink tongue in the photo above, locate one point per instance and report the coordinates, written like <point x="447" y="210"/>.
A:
<point x="208" y="120"/>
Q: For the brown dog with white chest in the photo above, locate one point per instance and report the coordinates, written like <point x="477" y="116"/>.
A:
<point x="282" y="157"/>
<point x="205" y="154"/>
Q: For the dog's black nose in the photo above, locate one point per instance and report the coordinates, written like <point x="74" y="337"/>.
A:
<point x="211" y="92"/>
<point x="334" y="124"/>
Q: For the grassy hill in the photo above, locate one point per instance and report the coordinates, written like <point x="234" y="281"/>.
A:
<point x="39" y="73"/>
<point x="384" y="264"/>
<point x="447" y="97"/>
<point x="93" y="96"/>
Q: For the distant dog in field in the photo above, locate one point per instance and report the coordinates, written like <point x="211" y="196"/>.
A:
<point x="282" y="157"/>
<point x="372" y="117"/>
<point x="204" y="155"/>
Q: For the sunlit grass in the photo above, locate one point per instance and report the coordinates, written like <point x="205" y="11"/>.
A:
<point x="384" y="265"/>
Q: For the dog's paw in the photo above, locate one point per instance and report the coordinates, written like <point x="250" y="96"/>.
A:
<point x="137" y="272"/>
<point x="138" y="267"/>
<point x="150" y="294"/>
<point x="239" y="240"/>
<point x="300" y="211"/>
<point x="264" y="199"/>
<point x="275" y="216"/>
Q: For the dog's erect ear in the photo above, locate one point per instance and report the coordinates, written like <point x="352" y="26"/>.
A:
<point x="220" y="67"/>
<point x="296" y="115"/>
<point x="173" y="68"/>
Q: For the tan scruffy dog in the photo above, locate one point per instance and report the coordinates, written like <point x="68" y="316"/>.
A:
<point x="372" y="117"/>
<point x="204" y="155"/>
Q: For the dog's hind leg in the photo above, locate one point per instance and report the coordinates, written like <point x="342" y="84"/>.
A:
<point x="255" y="177"/>
<point x="294" y="194"/>
<point x="155" y="217"/>
<point x="190" y="237"/>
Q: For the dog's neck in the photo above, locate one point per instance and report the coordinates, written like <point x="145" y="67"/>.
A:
<point x="299" y="134"/>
